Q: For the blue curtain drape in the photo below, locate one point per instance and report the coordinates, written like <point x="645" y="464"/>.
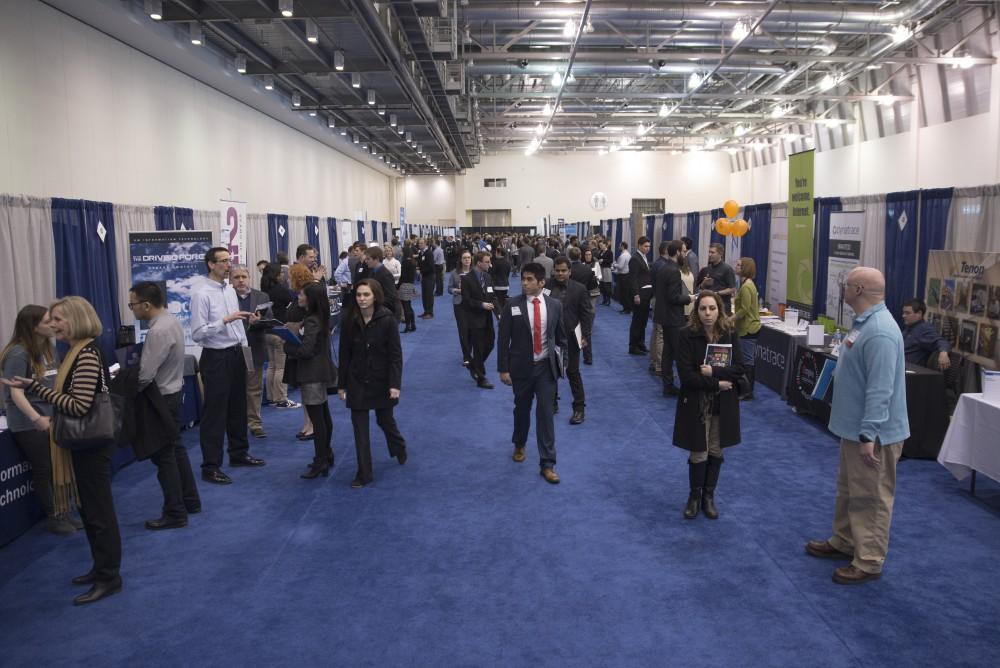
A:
<point x="163" y="217"/>
<point x="756" y="243"/>
<point x="650" y="229"/>
<point x="331" y="230"/>
<point x="823" y="206"/>
<point x="693" y="223"/>
<point x="277" y="234"/>
<point x="312" y="236"/>
<point x="85" y="264"/>
<point x="715" y="237"/>
<point x="900" y="248"/>
<point x="619" y="232"/>
<point x="361" y="231"/>
<point x="385" y="232"/>
<point x="667" y="227"/>
<point x="183" y="218"/>
<point x="935" y="205"/>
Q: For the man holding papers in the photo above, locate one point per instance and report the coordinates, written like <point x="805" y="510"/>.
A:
<point x="253" y="301"/>
<point x="578" y="321"/>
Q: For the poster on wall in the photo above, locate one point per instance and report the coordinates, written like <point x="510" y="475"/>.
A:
<point x="232" y="218"/>
<point x="799" y="284"/>
<point x="176" y="261"/>
<point x="963" y="302"/>
<point x="845" y="255"/>
<point x="777" y="261"/>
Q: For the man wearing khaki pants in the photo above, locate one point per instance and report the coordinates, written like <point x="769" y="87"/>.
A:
<point x="869" y="416"/>
<point x="250" y="300"/>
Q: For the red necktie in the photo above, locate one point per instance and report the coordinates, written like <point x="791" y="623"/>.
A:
<point x="538" y="326"/>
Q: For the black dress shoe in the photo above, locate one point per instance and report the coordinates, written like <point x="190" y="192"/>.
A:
<point x="485" y="384"/>
<point x="216" y="477"/>
<point x="193" y="510"/>
<point x="577" y="418"/>
<point x="302" y="436"/>
<point x="85" y="579"/>
<point x="635" y="351"/>
<point x="246" y="460"/>
<point x="101" y="589"/>
<point x="588" y="361"/>
<point x="401" y="457"/>
<point x="166" y="523"/>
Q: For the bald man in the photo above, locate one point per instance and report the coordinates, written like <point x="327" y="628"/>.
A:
<point x="869" y="416"/>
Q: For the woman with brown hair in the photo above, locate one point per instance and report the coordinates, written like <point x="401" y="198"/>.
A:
<point x="371" y="374"/>
<point x="708" y="409"/>
<point x="29" y="353"/>
<point x="299" y="276"/>
<point x="81" y="376"/>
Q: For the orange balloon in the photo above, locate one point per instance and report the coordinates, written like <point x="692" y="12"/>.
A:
<point x="731" y="208"/>
<point x="740" y="227"/>
<point x="723" y="226"/>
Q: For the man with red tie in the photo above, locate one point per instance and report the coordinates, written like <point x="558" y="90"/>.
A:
<point x="528" y="358"/>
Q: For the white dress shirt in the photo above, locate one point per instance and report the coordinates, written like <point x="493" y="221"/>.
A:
<point x="210" y="303"/>
<point x="531" y="325"/>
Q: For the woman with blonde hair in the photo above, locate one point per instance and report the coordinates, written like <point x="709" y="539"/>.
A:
<point x="746" y="312"/>
<point x="82" y="375"/>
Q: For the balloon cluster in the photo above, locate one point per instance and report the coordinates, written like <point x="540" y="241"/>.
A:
<point x="731" y="224"/>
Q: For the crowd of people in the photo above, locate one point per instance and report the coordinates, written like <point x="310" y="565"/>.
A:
<point x="705" y="321"/>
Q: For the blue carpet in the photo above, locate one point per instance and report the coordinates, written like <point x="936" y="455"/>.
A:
<point x="464" y="558"/>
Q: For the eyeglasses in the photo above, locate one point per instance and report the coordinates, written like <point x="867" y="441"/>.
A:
<point x="132" y="305"/>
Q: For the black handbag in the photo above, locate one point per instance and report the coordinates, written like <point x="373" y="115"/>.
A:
<point x="100" y="427"/>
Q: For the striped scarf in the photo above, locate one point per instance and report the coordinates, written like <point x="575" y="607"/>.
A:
<point x="64" y="489"/>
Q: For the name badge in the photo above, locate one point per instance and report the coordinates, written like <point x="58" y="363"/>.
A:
<point x="515" y="310"/>
<point x="489" y="289"/>
<point x="852" y="337"/>
<point x="51" y="372"/>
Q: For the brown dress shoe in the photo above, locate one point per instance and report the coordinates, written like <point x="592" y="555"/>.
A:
<point x="518" y="454"/>
<point x="849" y="575"/>
<point x="823" y="550"/>
<point x="550" y="476"/>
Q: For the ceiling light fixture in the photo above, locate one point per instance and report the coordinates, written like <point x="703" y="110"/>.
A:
<point x="381" y="111"/>
<point x="357" y="140"/>
<point x="569" y="30"/>
<point x="740" y="130"/>
<point x="547" y="109"/>
<point x="286" y="7"/>
<point x="331" y="122"/>
<point x="313" y="112"/>
<point x="392" y="120"/>
<point x="695" y="80"/>
<point x="827" y="82"/>
<point x="355" y="80"/>
<point x="901" y="33"/>
<point x="155" y="9"/>
<point x="296" y="99"/>
<point x="556" y="78"/>
<point x="571" y="78"/>
<point x="589" y="27"/>
<point x="539" y="129"/>
<point x="741" y="29"/>
<point x="371" y="96"/>
<point x="664" y="110"/>
<point x="399" y="130"/>
<point x="241" y="63"/>
<point x="338" y="61"/>
<point x="964" y="61"/>
<point x="312" y="32"/>
<point x="268" y="82"/>
<point x="778" y="111"/>
<point x="197" y="38"/>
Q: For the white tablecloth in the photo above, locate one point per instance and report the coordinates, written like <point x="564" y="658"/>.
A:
<point x="973" y="439"/>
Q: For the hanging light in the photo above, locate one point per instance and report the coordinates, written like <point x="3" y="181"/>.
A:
<point x="557" y="78"/>
<point x="589" y="27"/>
<point x="286" y="7"/>
<point x="381" y="111"/>
<point x="357" y="140"/>
<point x="901" y="33"/>
<point x="154" y="8"/>
<point x="338" y="61"/>
<point x="547" y="109"/>
<point x="312" y="32"/>
<point x="827" y="82"/>
<point x="241" y="63"/>
<point x="392" y="120"/>
<point x="741" y="29"/>
<point x="296" y="99"/>
<point x="778" y="111"/>
<point x="371" y="96"/>
<point x="539" y="129"/>
<point x="740" y="130"/>
<point x="197" y="38"/>
<point x="313" y="112"/>
<point x="664" y="110"/>
<point x="571" y="79"/>
<point x="695" y="80"/>
<point x="569" y="29"/>
<point x="355" y="80"/>
<point x="268" y="82"/>
<point x="964" y="61"/>
<point x="641" y="130"/>
<point x="331" y="122"/>
<point x="399" y="130"/>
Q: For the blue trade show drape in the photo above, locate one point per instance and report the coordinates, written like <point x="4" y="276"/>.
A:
<point x="934" y="207"/>
<point x="331" y="230"/>
<point x="900" y="248"/>
<point x="693" y="223"/>
<point x="650" y="229"/>
<point x="385" y="232"/>
<point x="823" y="206"/>
<point x="183" y="218"/>
<point x="163" y="217"/>
<point x="757" y="242"/>
<point x="361" y="231"/>
<point x="85" y="264"/>
<point x="312" y="236"/>
<point x="716" y="238"/>
<point x="277" y="234"/>
<point x="374" y="230"/>
<point x="619" y="231"/>
<point x="667" y="227"/>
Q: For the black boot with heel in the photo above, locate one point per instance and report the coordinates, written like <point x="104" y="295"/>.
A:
<point x="696" y="477"/>
<point x="708" y="493"/>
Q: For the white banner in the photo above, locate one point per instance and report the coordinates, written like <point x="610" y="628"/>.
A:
<point x="233" y="218"/>
<point x="777" y="263"/>
<point x="845" y="254"/>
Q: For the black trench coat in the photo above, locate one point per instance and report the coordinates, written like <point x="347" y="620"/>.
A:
<point x="371" y="361"/>
<point x="689" y="430"/>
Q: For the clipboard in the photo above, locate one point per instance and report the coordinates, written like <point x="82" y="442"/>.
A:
<point x="287" y="335"/>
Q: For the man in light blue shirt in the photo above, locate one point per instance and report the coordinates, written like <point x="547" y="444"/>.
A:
<point x="869" y="416"/>
<point x="216" y="325"/>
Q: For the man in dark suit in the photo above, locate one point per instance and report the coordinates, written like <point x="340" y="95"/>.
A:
<point x="656" y="336"/>
<point x="642" y="290"/>
<point x="250" y="301"/>
<point x="425" y="260"/>
<point x="479" y="303"/>
<point x="531" y="336"/>
<point x="576" y="310"/>
<point x="375" y="269"/>
<point x="671" y="298"/>
<point x="585" y="276"/>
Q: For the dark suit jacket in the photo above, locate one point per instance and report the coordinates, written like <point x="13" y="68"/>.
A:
<point x="313" y="360"/>
<point x="256" y="333"/>
<point x="576" y="306"/>
<point x="426" y="259"/>
<point x="473" y="297"/>
<point x="515" y="342"/>
<point x="584" y="275"/>
<point x="501" y="271"/>
<point x="147" y="423"/>
<point x="639" y="275"/>
<point x="670" y="296"/>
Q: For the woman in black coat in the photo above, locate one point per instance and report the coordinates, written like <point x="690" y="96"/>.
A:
<point x="371" y="364"/>
<point x="708" y="409"/>
<point x="315" y="372"/>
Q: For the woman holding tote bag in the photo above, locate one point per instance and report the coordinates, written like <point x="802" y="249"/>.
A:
<point x="81" y="377"/>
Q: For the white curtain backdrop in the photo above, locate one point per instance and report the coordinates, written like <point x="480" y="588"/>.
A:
<point x="209" y="219"/>
<point x="974" y="220"/>
<point x="27" y="251"/>
<point x="296" y="234"/>
<point x="128" y="219"/>
<point x="257" y="243"/>
<point x="873" y="235"/>
<point x="705" y="224"/>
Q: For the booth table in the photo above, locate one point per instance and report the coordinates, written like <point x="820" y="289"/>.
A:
<point x="925" y="405"/>
<point x="773" y="357"/>
<point x="973" y="440"/>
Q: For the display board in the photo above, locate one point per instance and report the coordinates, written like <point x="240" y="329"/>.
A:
<point x="232" y="218"/>
<point x="777" y="262"/>
<point x="963" y="302"/>
<point x="845" y="254"/>
<point x="800" y="229"/>
<point x="175" y="260"/>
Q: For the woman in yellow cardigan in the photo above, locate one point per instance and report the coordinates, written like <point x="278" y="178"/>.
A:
<point x="746" y="313"/>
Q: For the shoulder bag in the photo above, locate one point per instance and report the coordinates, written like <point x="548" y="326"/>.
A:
<point x="100" y="427"/>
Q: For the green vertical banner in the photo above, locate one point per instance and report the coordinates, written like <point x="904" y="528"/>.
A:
<point x="800" y="229"/>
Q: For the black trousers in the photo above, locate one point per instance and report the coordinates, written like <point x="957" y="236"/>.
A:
<point x="624" y="292"/>
<point x="640" y="317"/>
<point x="573" y="373"/>
<point x="319" y="415"/>
<point x="34" y="446"/>
<point x="92" y="469"/>
<point x="224" y="375"/>
<point x="462" y="322"/>
<point x="427" y="292"/>
<point x="439" y="279"/>
<point x="539" y="387"/>
<point x="501" y="296"/>
<point x="481" y="341"/>
<point x="362" y="439"/>
<point x="408" y="316"/>
<point x="668" y="355"/>
<point x="173" y="469"/>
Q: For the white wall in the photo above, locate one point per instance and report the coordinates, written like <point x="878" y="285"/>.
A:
<point x="561" y="185"/>
<point x="430" y="200"/>
<point x="83" y="115"/>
